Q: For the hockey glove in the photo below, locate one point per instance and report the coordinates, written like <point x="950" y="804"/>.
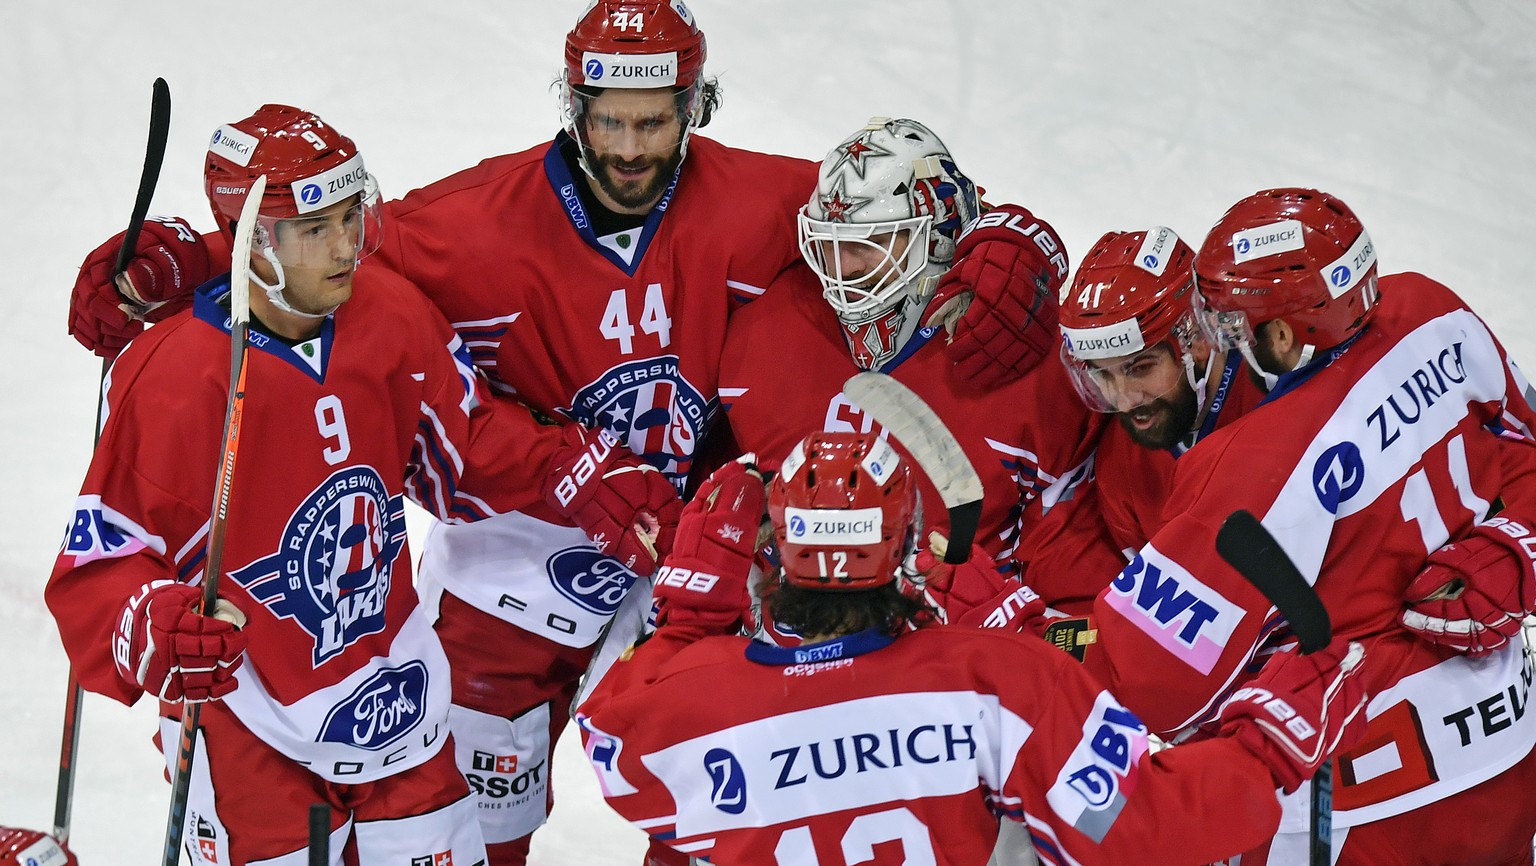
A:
<point x="169" y="262"/>
<point x="165" y="648"/>
<point x="998" y="301"/>
<point x="973" y="593"/>
<point x="1473" y="594"/>
<point x="624" y="504"/>
<point x="30" y="848"/>
<point x="704" y="582"/>
<point x="1299" y="710"/>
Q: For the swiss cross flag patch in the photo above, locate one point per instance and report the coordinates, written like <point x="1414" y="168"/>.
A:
<point x="208" y="850"/>
<point x="443" y="859"/>
<point x="489" y="763"/>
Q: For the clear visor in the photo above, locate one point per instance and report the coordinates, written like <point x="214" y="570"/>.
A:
<point x="1124" y="384"/>
<point x="338" y="236"/>
<point x="864" y="267"/>
<point x="1225" y="331"/>
<point x="632" y="125"/>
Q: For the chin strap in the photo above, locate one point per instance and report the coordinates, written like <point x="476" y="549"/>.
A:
<point x="275" y="291"/>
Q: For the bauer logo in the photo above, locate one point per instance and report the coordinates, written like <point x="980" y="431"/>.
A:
<point x="833" y="525"/>
<point x="1338" y="475"/>
<point x="381" y="710"/>
<point x="630" y="70"/>
<point x="1090" y="791"/>
<point x="1266" y="240"/>
<point x="233" y="145"/>
<point x="727" y="782"/>
<point x="594" y="582"/>
<point x="334" y="566"/>
<point x="1190" y="620"/>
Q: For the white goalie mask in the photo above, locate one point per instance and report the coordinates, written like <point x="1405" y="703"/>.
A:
<point x="880" y="230"/>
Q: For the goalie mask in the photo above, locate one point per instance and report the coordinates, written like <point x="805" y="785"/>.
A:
<point x="880" y="229"/>
<point x="1299" y="255"/>
<point x="845" y="512"/>
<point x="311" y="168"/>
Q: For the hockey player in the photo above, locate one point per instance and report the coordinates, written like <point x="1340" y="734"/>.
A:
<point x="591" y="275"/>
<point x="322" y="676"/>
<point x="872" y="742"/>
<point x="1392" y="420"/>
<point x="882" y="228"/>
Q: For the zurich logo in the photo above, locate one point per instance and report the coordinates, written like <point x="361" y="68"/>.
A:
<point x="218" y="136"/>
<point x="1243" y="246"/>
<point x="1150" y="261"/>
<point x="727" y="783"/>
<point x="381" y="710"/>
<point x="1338" y="475"/>
<point x="594" y="70"/>
<point x="796" y="527"/>
<point x="310" y="193"/>
<point x="593" y="581"/>
<point x="1340" y="275"/>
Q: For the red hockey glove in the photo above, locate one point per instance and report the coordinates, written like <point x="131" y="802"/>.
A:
<point x="164" y="648"/>
<point x="625" y="506"/>
<point x="1299" y="710"/>
<point x="998" y="301"/>
<point x="974" y="594"/>
<point x="30" y="848"/>
<point x="170" y="260"/>
<point x="1473" y="594"/>
<point x="704" y="581"/>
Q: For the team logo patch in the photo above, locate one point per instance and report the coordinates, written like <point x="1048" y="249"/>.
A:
<point x="381" y="710"/>
<point x="333" y="568"/>
<point x="592" y="581"/>
<point x="727" y="782"/>
<point x="1338" y="475"/>
<point x="652" y="409"/>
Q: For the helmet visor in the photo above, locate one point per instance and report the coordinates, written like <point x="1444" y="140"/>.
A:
<point x="345" y="232"/>
<point x="1125" y="384"/>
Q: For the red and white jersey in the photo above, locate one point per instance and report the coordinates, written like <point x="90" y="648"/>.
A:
<point x="782" y="376"/>
<point x="904" y="750"/>
<point x="344" y="672"/>
<point x="623" y="332"/>
<point x="1360" y="465"/>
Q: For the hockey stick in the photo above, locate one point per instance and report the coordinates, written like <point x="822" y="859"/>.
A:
<point x="1248" y="547"/>
<point x="319" y="834"/>
<point x="154" y="154"/>
<point x="234" y="408"/>
<point x="907" y="418"/>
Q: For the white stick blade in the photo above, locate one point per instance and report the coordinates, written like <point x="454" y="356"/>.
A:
<point x="240" y="255"/>
<point x="917" y="427"/>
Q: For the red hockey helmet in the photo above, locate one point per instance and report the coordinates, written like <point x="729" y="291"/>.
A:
<point x="1132" y="291"/>
<point x="31" y="848"/>
<point x="845" y="512"/>
<point x="1299" y="255"/>
<point x="634" y="44"/>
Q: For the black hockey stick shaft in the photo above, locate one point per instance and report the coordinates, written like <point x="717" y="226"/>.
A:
<point x="1250" y="548"/>
<point x="213" y="563"/>
<point x="319" y="834"/>
<point x="154" y="154"/>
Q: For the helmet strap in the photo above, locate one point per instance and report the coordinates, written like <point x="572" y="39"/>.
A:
<point x="275" y="290"/>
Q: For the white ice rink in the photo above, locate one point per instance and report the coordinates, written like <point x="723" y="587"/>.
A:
<point x="1098" y="115"/>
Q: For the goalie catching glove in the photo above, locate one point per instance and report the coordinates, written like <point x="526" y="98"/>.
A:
<point x="704" y="582"/>
<point x="1299" y="710"/>
<point x="1474" y="593"/>
<point x="998" y="301"/>
<point x="627" y="507"/>
<point x="164" y="646"/>
<point x="169" y="261"/>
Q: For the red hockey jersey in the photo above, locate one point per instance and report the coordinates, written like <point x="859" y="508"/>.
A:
<point x="782" y="376"/>
<point x="1360" y="465"/>
<point x="344" y="672"/>
<point x="904" y="750"/>
<point x="623" y="331"/>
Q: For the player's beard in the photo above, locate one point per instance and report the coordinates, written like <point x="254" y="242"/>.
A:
<point x="1173" y="413"/>
<point x="636" y="194"/>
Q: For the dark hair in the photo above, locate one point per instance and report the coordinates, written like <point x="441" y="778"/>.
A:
<point x="838" y="612"/>
<point x="709" y="97"/>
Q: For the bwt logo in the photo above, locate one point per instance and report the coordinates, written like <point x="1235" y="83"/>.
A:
<point x="727" y="782"/>
<point x="1338" y="475"/>
<point x="796" y="527"/>
<point x="1110" y="755"/>
<point x="1162" y="597"/>
<point x="310" y="193"/>
<point x="594" y="69"/>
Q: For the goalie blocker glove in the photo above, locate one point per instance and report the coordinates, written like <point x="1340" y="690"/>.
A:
<point x="627" y="507"/>
<point x="163" y="646"/>
<point x="169" y="261"/>
<point x="1299" y="710"/>
<point x="703" y="584"/>
<point x="1473" y="594"/>
<point x="999" y="300"/>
